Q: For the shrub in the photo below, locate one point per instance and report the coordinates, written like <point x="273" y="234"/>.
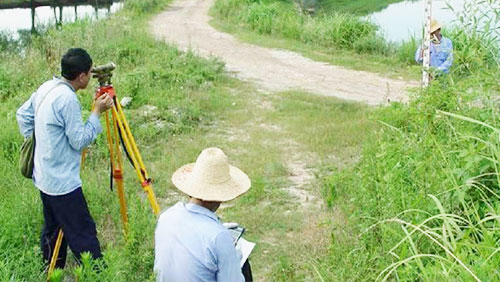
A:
<point x="140" y="7"/>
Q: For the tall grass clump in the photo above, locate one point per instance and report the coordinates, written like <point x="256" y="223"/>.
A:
<point x="172" y="93"/>
<point x="422" y="203"/>
<point x="360" y="8"/>
<point x="477" y="36"/>
<point x="282" y="19"/>
<point x="139" y="7"/>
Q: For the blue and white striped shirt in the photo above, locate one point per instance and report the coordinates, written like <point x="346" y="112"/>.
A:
<point x="60" y="136"/>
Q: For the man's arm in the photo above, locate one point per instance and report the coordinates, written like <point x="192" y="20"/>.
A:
<point x="79" y="135"/>
<point x="228" y="262"/>
<point x="25" y="116"/>
<point x="418" y="55"/>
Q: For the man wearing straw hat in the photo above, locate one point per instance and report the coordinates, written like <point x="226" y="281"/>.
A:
<point x="441" y="50"/>
<point x="191" y="244"/>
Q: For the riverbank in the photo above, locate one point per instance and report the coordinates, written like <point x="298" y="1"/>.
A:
<point x="359" y="8"/>
<point x="339" y="39"/>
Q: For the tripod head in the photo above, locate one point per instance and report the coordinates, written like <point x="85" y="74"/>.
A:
<point x="103" y="73"/>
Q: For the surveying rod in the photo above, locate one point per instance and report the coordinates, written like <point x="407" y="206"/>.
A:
<point x="427" y="44"/>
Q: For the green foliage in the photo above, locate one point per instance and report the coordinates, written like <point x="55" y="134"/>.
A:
<point x="179" y="87"/>
<point x="7" y="43"/>
<point x="362" y="7"/>
<point x="279" y="18"/>
<point x="371" y="45"/>
<point x="140" y="7"/>
<point x="422" y="203"/>
<point x="472" y="52"/>
<point x="406" y="51"/>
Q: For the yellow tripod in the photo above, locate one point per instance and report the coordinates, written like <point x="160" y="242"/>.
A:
<point x="117" y="130"/>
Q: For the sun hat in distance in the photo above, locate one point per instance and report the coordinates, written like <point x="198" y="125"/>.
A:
<point x="211" y="178"/>
<point x="435" y="25"/>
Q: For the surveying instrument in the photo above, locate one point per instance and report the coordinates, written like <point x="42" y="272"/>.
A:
<point x="117" y="131"/>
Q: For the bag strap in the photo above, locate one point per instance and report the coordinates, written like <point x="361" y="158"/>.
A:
<point x="47" y="94"/>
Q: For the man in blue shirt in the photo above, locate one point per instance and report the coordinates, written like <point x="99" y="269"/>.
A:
<point x="191" y="244"/>
<point x="441" y="50"/>
<point x="54" y="113"/>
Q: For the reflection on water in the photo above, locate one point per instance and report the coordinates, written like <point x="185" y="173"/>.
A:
<point x="402" y="20"/>
<point x="14" y="20"/>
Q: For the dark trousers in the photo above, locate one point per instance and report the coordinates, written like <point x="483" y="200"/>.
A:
<point x="69" y="212"/>
<point x="247" y="271"/>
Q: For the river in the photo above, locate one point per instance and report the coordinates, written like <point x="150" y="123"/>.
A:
<point x="400" y="21"/>
<point x="15" y="20"/>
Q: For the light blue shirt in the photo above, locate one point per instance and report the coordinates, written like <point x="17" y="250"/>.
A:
<point x="441" y="55"/>
<point x="60" y="136"/>
<point x="192" y="245"/>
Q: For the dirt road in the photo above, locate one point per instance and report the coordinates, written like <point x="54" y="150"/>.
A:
<point x="186" y="24"/>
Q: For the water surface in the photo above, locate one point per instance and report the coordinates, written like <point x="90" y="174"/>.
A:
<point x="14" y="20"/>
<point x="402" y="20"/>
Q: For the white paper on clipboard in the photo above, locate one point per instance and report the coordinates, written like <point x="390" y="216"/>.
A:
<point x="244" y="247"/>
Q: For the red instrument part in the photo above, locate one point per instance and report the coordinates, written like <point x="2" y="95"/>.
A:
<point x="106" y="89"/>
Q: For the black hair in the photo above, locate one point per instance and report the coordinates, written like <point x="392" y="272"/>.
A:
<point x="75" y="62"/>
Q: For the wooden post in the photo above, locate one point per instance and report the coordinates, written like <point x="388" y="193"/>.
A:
<point x="427" y="43"/>
<point x="33" y="28"/>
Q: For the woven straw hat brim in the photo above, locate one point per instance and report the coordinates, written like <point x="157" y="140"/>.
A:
<point x="435" y="26"/>
<point x="238" y="184"/>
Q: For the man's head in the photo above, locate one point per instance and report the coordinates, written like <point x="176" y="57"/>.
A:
<point x="211" y="180"/>
<point x="210" y="205"/>
<point x="435" y="30"/>
<point x="76" y="64"/>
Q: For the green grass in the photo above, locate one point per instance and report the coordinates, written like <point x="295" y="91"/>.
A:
<point x="422" y="203"/>
<point x="319" y="122"/>
<point x="421" y="152"/>
<point x="263" y="142"/>
<point x="360" y="8"/>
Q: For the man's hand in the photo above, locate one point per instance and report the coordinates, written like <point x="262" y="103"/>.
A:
<point x="102" y="103"/>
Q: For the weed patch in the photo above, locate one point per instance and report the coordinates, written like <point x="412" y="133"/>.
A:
<point x="422" y="202"/>
<point x="185" y="92"/>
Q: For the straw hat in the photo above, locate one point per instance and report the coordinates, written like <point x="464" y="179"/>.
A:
<point x="211" y="178"/>
<point x="435" y="25"/>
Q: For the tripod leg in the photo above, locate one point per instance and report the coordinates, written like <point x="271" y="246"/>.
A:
<point x="55" y="254"/>
<point x="118" y="176"/>
<point x="128" y="132"/>
<point x="141" y="175"/>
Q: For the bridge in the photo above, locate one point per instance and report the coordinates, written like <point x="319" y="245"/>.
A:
<point x="10" y="4"/>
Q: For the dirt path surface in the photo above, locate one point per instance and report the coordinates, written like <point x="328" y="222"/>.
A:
<point x="186" y="24"/>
